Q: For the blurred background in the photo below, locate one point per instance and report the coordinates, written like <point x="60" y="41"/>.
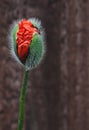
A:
<point x="57" y="96"/>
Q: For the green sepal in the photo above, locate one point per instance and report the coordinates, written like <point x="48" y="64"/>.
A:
<point x="35" y="52"/>
<point x="14" y="38"/>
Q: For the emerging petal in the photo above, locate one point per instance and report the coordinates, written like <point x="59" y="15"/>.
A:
<point x="23" y="51"/>
<point x="24" y="38"/>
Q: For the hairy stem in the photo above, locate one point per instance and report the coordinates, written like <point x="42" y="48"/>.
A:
<point x="22" y="101"/>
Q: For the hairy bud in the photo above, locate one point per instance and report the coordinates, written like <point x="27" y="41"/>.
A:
<point x="27" y="42"/>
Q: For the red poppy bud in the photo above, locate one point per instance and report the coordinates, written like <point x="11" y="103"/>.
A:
<point x="28" y="42"/>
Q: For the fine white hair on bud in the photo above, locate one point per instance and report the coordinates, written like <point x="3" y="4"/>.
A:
<point x="27" y="42"/>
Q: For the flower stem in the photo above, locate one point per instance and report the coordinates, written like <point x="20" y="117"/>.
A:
<point x="22" y="99"/>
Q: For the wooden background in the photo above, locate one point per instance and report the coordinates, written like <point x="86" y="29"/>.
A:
<point x="57" y="97"/>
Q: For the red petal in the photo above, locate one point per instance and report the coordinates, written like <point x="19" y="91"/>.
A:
<point x="24" y="38"/>
<point x="23" y="51"/>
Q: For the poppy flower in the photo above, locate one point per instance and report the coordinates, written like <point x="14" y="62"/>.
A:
<point x="27" y="42"/>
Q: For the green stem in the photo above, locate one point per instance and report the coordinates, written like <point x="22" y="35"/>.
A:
<point x="22" y="99"/>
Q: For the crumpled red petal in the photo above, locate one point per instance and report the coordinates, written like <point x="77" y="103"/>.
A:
<point x="24" y="38"/>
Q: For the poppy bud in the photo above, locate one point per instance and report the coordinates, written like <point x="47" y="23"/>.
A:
<point x="27" y="42"/>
